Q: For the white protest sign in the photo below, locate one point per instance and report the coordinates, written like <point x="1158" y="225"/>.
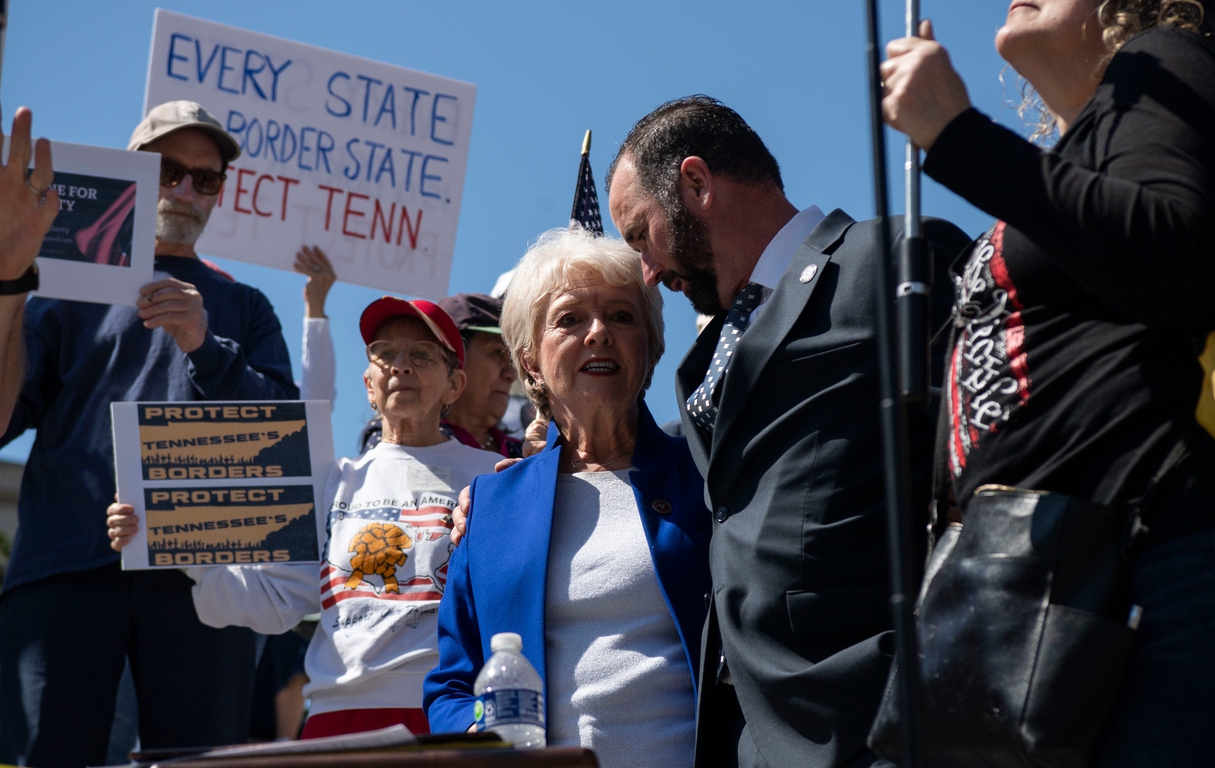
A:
<point x="102" y="244"/>
<point x="223" y="483"/>
<point x="362" y="158"/>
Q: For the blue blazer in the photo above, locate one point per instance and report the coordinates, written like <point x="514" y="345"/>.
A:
<point x="498" y="575"/>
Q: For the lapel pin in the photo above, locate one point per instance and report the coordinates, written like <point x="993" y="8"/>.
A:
<point x="661" y="507"/>
<point x="808" y="273"/>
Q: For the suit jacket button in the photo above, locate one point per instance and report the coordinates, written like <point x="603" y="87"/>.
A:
<point x="707" y="598"/>
<point x="661" y="507"/>
<point x="722" y="514"/>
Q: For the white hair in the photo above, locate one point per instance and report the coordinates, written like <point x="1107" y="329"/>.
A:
<point x="554" y="261"/>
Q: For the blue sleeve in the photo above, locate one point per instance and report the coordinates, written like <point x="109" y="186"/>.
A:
<point x="39" y="386"/>
<point x="222" y="370"/>
<point x="447" y="694"/>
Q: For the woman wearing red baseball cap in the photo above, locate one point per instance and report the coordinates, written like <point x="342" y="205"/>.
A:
<point x="385" y="560"/>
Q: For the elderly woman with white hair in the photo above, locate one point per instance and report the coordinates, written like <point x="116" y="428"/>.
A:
<point x="595" y="550"/>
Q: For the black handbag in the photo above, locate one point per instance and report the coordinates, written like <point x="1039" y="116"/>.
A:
<point x="1025" y="631"/>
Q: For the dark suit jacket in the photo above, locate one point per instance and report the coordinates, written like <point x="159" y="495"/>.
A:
<point x="794" y="480"/>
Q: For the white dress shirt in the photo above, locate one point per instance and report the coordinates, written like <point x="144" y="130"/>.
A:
<point x="776" y="257"/>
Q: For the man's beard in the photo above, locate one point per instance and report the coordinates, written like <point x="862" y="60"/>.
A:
<point x="183" y="230"/>
<point x="693" y="256"/>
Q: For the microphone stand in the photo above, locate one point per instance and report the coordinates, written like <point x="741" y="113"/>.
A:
<point x="912" y="295"/>
<point x="895" y="449"/>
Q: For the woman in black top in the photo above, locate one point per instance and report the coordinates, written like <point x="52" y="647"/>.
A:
<point x="1078" y="313"/>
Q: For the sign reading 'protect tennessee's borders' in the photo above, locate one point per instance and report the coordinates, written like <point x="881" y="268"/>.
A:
<point x="223" y="483"/>
<point x="227" y="441"/>
<point x="363" y="158"/>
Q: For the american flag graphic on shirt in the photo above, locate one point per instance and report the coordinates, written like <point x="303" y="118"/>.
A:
<point x="396" y="551"/>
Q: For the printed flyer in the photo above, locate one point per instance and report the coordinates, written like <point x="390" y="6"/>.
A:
<point x="219" y="483"/>
<point x="101" y="246"/>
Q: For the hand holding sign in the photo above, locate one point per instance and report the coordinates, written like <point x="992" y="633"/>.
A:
<point x="219" y="483"/>
<point x="177" y="307"/>
<point x="363" y="158"/>
<point x="27" y="207"/>
<point x="121" y="524"/>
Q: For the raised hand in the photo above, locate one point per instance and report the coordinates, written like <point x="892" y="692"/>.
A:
<point x="312" y="261"/>
<point x="27" y="207"/>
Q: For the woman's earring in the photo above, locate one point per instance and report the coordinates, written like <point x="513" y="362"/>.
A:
<point x="375" y="407"/>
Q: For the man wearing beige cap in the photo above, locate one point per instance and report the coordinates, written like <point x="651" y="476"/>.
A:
<point x="69" y="616"/>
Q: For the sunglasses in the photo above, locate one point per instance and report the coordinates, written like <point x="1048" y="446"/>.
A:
<point x="206" y="181"/>
<point x="422" y="354"/>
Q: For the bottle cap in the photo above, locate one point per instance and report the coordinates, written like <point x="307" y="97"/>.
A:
<point x="506" y="641"/>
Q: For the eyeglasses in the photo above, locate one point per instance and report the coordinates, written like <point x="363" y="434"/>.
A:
<point x="206" y="181"/>
<point x="422" y="354"/>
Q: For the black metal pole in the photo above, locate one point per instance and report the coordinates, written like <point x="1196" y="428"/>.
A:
<point x="895" y="452"/>
<point x="3" y="28"/>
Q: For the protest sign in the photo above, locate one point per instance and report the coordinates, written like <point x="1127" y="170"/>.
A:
<point x="362" y="158"/>
<point x="102" y="245"/>
<point x="217" y="483"/>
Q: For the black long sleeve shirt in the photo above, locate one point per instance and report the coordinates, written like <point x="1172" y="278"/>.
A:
<point x="1075" y="368"/>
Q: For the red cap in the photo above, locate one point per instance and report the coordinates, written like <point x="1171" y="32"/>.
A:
<point x="440" y="324"/>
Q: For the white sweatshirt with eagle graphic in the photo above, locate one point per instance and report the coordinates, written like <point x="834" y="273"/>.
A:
<point x="380" y="580"/>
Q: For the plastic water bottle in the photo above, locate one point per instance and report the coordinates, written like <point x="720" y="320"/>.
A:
<point x="510" y="695"/>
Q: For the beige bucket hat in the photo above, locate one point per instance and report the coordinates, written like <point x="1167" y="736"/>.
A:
<point x="176" y="115"/>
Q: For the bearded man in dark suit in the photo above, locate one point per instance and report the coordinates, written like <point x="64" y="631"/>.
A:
<point x="779" y="401"/>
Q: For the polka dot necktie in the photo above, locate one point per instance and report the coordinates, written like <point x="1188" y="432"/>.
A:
<point x="702" y="404"/>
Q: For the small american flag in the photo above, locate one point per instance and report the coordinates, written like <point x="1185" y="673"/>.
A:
<point x="585" y="213"/>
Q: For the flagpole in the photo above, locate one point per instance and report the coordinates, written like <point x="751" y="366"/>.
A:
<point x="586" y="158"/>
<point x="895" y="450"/>
<point x="585" y="211"/>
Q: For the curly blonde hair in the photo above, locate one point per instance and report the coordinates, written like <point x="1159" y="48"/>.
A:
<point x="1120" y="21"/>
<point x="1123" y="19"/>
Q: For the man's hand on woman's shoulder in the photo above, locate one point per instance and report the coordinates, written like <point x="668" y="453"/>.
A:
<point x="459" y="515"/>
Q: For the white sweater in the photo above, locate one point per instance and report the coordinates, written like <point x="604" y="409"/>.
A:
<point x="384" y="570"/>
<point x="618" y="679"/>
<point x="318" y="364"/>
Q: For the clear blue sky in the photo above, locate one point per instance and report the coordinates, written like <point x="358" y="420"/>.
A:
<point x="545" y="72"/>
